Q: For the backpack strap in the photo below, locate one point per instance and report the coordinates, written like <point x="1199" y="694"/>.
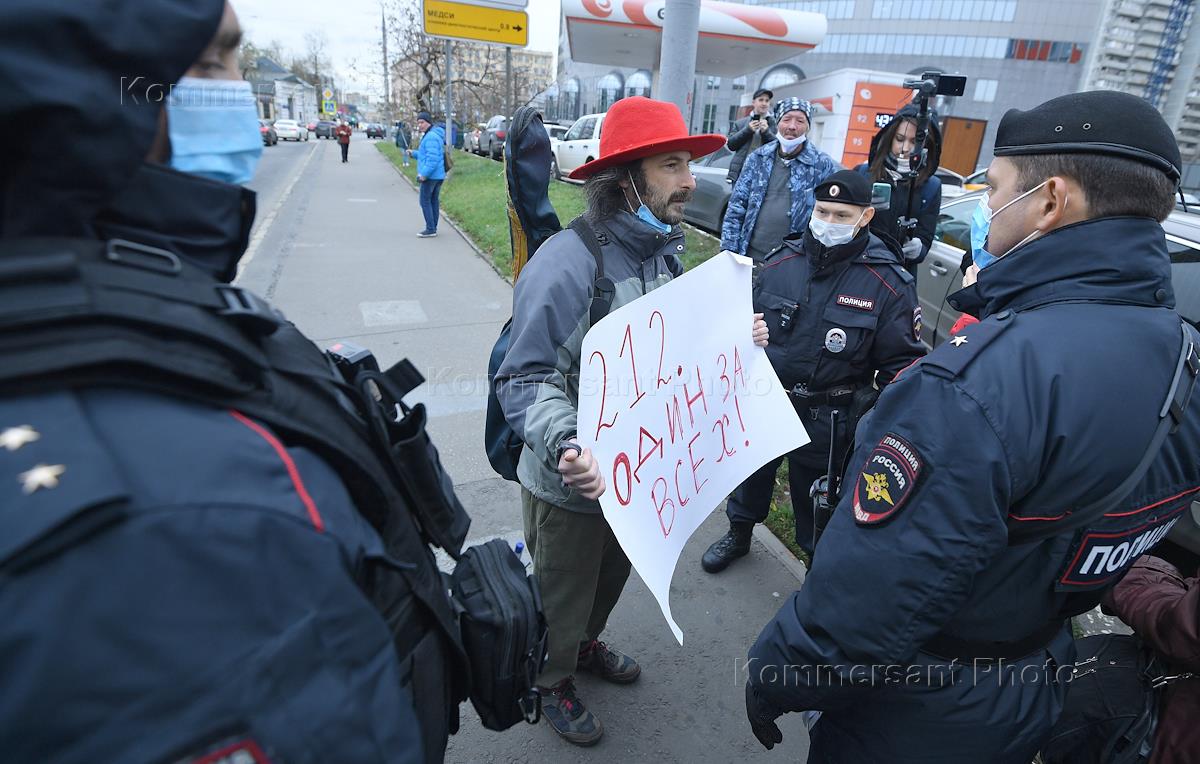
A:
<point x="603" y="289"/>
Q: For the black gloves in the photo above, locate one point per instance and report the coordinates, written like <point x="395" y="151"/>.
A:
<point x="762" y="716"/>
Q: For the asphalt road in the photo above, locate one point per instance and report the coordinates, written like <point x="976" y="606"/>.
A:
<point x="335" y="248"/>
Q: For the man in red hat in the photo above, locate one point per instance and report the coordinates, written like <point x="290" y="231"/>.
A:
<point x="636" y="192"/>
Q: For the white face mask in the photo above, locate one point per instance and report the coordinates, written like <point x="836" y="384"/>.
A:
<point x="791" y="144"/>
<point x="834" y="234"/>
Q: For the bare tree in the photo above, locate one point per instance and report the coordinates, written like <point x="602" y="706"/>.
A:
<point x="314" y="65"/>
<point x="419" y="68"/>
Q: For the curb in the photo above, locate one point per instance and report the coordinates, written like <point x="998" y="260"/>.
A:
<point x="780" y="552"/>
<point x="443" y="216"/>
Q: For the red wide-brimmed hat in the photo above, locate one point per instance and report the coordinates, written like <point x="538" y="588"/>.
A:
<point x="638" y="127"/>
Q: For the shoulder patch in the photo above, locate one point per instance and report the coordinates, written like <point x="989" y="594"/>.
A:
<point x="955" y="354"/>
<point x="887" y="480"/>
<point x="917" y="323"/>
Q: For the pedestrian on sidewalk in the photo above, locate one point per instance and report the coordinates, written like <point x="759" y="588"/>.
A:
<point x="431" y="171"/>
<point x="343" y="138"/>
<point x="636" y="193"/>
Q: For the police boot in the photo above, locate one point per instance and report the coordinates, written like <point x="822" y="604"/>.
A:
<point x="734" y="544"/>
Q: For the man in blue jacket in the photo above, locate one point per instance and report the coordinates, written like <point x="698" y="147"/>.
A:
<point x="431" y="171"/>
<point x="1011" y="476"/>
<point x="774" y="194"/>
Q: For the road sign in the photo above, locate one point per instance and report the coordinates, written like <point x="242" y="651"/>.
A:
<point x="464" y="21"/>
<point x="329" y="107"/>
<point x="327" y="94"/>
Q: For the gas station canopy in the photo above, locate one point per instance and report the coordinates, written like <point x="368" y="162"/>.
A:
<point x="734" y="39"/>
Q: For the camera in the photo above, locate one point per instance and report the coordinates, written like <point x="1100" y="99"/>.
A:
<point x="931" y="84"/>
<point x="936" y="83"/>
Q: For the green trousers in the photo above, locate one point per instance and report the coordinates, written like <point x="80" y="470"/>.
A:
<point x="581" y="570"/>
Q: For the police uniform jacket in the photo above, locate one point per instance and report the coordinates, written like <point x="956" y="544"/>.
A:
<point x="946" y="532"/>
<point x="836" y="317"/>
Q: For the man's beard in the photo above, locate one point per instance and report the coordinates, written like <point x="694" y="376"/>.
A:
<point x="662" y="208"/>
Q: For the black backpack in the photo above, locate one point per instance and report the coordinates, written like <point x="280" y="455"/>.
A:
<point x="502" y="444"/>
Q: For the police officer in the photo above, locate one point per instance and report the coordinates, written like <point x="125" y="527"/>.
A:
<point x="843" y="317"/>
<point x="202" y="554"/>
<point x="1007" y="479"/>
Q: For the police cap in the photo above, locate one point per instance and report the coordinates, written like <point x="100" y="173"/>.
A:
<point x="845" y="187"/>
<point x="1095" y="122"/>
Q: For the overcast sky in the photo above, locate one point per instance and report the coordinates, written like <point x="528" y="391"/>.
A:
<point x="351" y="29"/>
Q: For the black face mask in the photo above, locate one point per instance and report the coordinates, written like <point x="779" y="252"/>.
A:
<point x="204" y="221"/>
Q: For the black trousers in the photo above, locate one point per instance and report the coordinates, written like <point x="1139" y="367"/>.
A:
<point x="345" y="151"/>
<point x="750" y="502"/>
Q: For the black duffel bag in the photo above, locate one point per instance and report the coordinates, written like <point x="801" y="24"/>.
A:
<point x="503" y="632"/>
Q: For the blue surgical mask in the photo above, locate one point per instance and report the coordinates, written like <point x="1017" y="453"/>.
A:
<point x="981" y="225"/>
<point x="214" y="130"/>
<point x="645" y="215"/>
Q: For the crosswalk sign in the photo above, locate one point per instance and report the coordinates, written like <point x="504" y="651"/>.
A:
<point x="329" y="107"/>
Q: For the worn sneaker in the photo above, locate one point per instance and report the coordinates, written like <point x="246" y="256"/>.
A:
<point x="426" y="234"/>
<point x="567" y="715"/>
<point x="598" y="658"/>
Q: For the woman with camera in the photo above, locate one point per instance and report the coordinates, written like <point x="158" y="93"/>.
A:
<point x="891" y="161"/>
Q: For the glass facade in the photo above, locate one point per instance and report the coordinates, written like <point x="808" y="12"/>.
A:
<point x="945" y="10"/>
<point x="638" y="84"/>
<point x="833" y="9"/>
<point x="610" y="88"/>
<point x="781" y="75"/>
<point x="954" y="46"/>
<point x="985" y="90"/>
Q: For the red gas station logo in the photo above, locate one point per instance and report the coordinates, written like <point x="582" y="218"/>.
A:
<point x="601" y="8"/>
<point x="763" y="20"/>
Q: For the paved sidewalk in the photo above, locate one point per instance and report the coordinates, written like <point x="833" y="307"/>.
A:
<point x="341" y="258"/>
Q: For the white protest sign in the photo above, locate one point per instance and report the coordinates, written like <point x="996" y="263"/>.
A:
<point x="679" y="407"/>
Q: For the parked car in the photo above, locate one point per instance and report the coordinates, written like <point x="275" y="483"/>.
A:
<point x="290" y="130"/>
<point x="491" y="140"/>
<point x="267" y="130"/>
<point x="707" y="208"/>
<point x="580" y="145"/>
<point x="952" y="183"/>
<point x="376" y="130"/>
<point x="976" y="181"/>
<point x="325" y="129"/>
<point x="471" y="142"/>
<point x="556" y="133"/>
<point x="312" y="127"/>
